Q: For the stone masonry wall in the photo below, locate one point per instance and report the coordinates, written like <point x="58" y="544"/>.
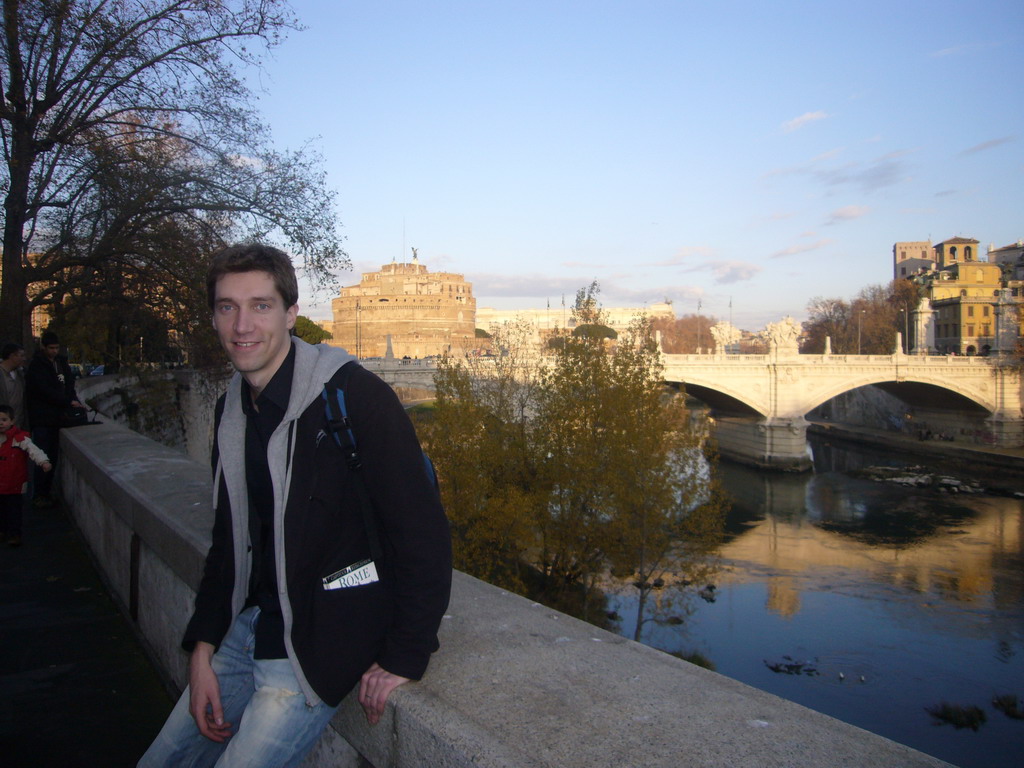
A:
<point x="515" y="684"/>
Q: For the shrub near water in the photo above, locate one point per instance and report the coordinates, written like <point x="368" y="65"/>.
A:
<point x="958" y="716"/>
<point x="1009" y="705"/>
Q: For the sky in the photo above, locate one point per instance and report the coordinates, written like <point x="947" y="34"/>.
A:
<point x="736" y="158"/>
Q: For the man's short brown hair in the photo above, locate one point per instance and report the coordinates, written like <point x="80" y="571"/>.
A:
<point x="253" y="257"/>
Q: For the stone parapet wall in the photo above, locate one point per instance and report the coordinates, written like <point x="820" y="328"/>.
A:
<point x="515" y="684"/>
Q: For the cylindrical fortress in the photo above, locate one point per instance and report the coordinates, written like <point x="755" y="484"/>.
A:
<point x="425" y="314"/>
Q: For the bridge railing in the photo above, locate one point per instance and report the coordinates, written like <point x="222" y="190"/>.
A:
<point x="927" y="360"/>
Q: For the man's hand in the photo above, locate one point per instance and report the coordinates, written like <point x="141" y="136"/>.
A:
<point x="374" y="688"/>
<point x="46" y="466"/>
<point x="204" y="699"/>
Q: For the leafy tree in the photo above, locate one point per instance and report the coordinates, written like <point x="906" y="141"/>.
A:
<point x="118" y="114"/>
<point x="595" y="331"/>
<point x="624" y="467"/>
<point x="480" y="438"/>
<point x="309" y="331"/>
<point x="578" y="417"/>
<point x="668" y="506"/>
<point x="555" y="471"/>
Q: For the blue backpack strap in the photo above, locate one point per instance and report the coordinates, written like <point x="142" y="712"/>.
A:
<point x="338" y="421"/>
<point x="341" y="429"/>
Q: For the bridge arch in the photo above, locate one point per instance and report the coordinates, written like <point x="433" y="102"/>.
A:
<point x="762" y="400"/>
<point x="925" y="390"/>
<point x="722" y="398"/>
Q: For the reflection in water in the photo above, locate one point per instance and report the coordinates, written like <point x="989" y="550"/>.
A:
<point x="919" y="594"/>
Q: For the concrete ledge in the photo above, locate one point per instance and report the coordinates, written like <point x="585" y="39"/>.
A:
<point x="514" y="684"/>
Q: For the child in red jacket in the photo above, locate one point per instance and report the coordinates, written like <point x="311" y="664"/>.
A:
<point x="15" y="450"/>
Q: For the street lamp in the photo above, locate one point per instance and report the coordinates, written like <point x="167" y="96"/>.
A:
<point x="698" y="326"/>
<point x="860" y="315"/>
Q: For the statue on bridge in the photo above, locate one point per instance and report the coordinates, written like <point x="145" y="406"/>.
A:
<point x="783" y="335"/>
<point x="724" y="334"/>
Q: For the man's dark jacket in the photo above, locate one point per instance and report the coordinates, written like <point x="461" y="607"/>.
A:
<point x="332" y="636"/>
<point x="47" y="396"/>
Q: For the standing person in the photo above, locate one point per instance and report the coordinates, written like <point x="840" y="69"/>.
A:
<point x="12" y="382"/>
<point x="50" y="392"/>
<point x="15" y="445"/>
<point x="279" y="636"/>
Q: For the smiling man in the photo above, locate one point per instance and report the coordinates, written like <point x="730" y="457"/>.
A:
<point x="305" y="593"/>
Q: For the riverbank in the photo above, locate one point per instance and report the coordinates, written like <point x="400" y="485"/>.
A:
<point x="1003" y="459"/>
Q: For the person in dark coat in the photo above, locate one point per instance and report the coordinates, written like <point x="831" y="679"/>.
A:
<point x="306" y="593"/>
<point x="50" y="394"/>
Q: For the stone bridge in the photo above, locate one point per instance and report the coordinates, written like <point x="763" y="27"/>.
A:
<point x="760" y="402"/>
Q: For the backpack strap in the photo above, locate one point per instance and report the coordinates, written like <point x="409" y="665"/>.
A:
<point x="337" y="416"/>
<point x="341" y="429"/>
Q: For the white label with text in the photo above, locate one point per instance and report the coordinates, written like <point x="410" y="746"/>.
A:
<point x="356" y="575"/>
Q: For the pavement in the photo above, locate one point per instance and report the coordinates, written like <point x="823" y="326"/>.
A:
<point x="76" y="688"/>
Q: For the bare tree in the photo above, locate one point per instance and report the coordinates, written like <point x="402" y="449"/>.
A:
<point x="90" y="86"/>
<point x="830" y="318"/>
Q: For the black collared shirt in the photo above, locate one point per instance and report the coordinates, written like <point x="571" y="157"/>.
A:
<point x="260" y="423"/>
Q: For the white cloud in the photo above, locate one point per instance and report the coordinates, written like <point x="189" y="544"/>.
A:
<point x="804" y="119"/>
<point x="966" y="48"/>
<point x="727" y="271"/>
<point x="988" y="145"/>
<point x="847" y="213"/>
<point x="793" y="250"/>
<point x="684" y="254"/>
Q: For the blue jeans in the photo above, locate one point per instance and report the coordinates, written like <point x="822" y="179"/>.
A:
<point x="273" y="726"/>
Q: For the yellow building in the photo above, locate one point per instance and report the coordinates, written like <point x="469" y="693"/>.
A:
<point x="968" y="307"/>
<point x="964" y="299"/>
<point x="422" y="314"/>
<point x="956" y="250"/>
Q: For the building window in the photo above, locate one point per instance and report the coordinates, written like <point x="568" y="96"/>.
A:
<point x="970" y="311"/>
<point x="970" y="329"/>
<point x="967" y="253"/>
<point x="952" y="253"/>
<point x="984" y="311"/>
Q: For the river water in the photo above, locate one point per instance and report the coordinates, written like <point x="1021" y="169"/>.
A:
<point x="872" y="601"/>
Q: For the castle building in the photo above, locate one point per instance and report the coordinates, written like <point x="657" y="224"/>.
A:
<point x="419" y="313"/>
